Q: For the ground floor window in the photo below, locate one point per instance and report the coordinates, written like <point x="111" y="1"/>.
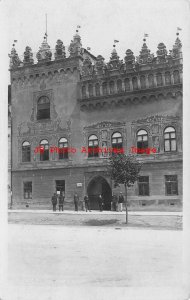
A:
<point x="60" y="186"/>
<point x="143" y="185"/>
<point x="27" y="189"/>
<point x="171" y="184"/>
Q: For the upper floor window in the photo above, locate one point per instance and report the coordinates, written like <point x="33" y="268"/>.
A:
<point x="127" y="84"/>
<point x="116" y="140"/>
<point x="159" y="79"/>
<point x="143" y="82"/>
<point x="151" y="80"/>
<point x="119" y="86"/>
<point x="111" y="87"/>
<point x="170" y="139"/>
<point x="63" y="148"/>
<point x="176" y="77"/>
<point x="25" y="151"/>
<point x="104" y="88"/>
<point x="135" y="84"/>
<point x="90" y="90"/>
<point x="142" y="139"/>
<point x="167" y="78"/>
<point x="43" y="108"/>
<point x="97" y="89"/>
<point x="83" y="91"/>
<point x="93" y="146"/>
<point x="171" y="184"/>
<point x="44" y="150"/>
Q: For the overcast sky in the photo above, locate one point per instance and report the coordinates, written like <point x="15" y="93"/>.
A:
<point x="101" y="22"/>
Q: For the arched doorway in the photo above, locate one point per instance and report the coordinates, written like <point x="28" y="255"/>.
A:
<point x="99" y="185"/>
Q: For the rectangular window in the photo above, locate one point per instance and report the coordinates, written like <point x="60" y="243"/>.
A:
<point x="171" y="185"/>
<point x="60" y="185"/>
<point x="27" y="186"/>
<point x="143" y="184"/>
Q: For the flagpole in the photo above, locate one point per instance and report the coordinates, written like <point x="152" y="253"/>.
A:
<point x="46" y="27"/>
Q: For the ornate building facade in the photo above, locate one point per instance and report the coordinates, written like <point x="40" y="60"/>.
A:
<point x="76" y="101"/>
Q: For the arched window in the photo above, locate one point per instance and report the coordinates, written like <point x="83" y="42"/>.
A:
<point x="135" y="84"/>
<point x="169" y="139"/>
<point x="83" y="91"/>
<point x="25" y="151"/>
<point x="119" y="86"/>
<point x="104" y="88"/>
<point x="90" y="90"/>
<point x="43" y="108"/>
<point x="176" y="77"/>
<point x="111" y="84"/>
<point x="117" y="140"/>
<point x="63" y="148"/>
<point x="44" y="150"/>
<point x="142" y="139"/>
<point x="159" y="79"/>
<point x="151" y="80"/>
<point x="97" y="88"/>
<point x="143" y="82"/>
<point x="167" y="78"/>
<point x="93" y="146"/>
<point x="127" y="84"/>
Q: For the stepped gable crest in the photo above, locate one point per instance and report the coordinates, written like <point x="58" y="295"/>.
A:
<point x="59" y="50"/>
<point x="44" y="53"/>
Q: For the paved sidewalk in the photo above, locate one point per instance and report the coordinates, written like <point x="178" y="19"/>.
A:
<point x="95" y="212"/>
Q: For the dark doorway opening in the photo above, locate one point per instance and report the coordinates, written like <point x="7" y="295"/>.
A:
<point x="60" y="186"/>
<point x="99" y="185"/>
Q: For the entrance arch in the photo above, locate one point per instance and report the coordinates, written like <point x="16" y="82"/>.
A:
<point x="99" y="185"/>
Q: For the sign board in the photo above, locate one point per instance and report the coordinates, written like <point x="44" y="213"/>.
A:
<point x="79" y="184"/>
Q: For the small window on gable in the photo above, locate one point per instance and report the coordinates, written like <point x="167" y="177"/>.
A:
<point x="43" y="108"/>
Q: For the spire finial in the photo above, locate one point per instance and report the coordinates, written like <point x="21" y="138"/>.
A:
<point x="145" y="35"/>
<point x="46" y="35"/>
<point x="178" y="29"/>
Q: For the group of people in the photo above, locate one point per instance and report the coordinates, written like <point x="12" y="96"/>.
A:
<point x="116" y="204"/>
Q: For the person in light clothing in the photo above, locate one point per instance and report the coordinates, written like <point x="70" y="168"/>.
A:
<point x="121" y="200"/>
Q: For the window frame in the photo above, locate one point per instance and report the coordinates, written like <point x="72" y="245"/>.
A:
<point x="170" y="139"/>
<point x="63" y="154"/>
<point x="43" y="111"/>
<point x="92" y="152"/>
<point x="26" y="151"/>
<point x="44" y="153"/>
<point x="143" y="185"/>
<point x="144" y="143"/>
<point x="172" y="185"/>
<point x="117" y="145"/>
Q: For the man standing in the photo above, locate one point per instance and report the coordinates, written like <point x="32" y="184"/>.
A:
<point x="115" y="202"/>
<point x="100" y="202"/>
<point x="87" y="203"/>
<point x="76" y="201"/>
<point x="61" y="201"/>
<point x="121" y="200"/>
<point x="54" y="201"/>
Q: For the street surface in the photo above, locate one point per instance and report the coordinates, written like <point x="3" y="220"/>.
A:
<point x="53" y="262"/>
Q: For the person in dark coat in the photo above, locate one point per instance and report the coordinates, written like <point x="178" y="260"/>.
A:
<point x="61" y="201"/>
<point x="115" y="202"/>
<point x="54" y="201"/>
<point x="121" y="200"/>
<point x="100" y="202"/>
<point x="87" y="203"/>
<point x="76" y="201"/>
